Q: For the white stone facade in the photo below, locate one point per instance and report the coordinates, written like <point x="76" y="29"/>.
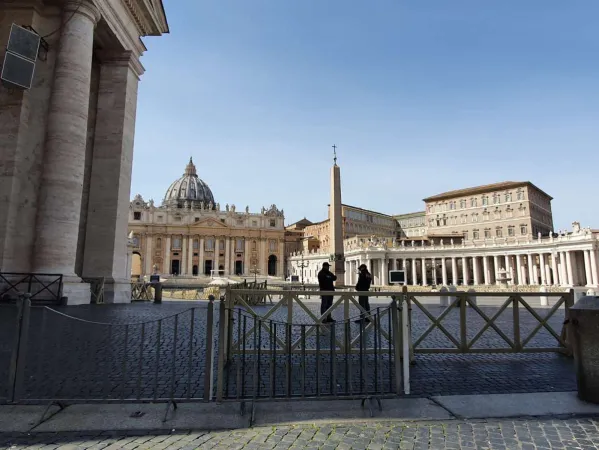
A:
<point x="66" y="145"/>
<point x="566" y="260"/>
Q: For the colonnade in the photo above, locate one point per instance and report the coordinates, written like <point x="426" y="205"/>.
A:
<point x="565" y="268"/>
<point x="194" y="257"/>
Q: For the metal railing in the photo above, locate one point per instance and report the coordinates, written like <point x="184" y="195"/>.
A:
<point x="142" y="291"/>
<point x="43" y="287"/>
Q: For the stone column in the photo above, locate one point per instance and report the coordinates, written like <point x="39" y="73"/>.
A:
<point x="531" y="275"/>
<point x="433" y="272"/>
<point x="594" y="273"/>
<point x="454" y="270"/>
<point x="183" y="263"/>
<point x="167" y="256"/>
<point x="423" y="270"/>
<point x="508" y="269"/>
<point x="385" y="273"/>
<point x="444" y="271"/>
<point x="562" y="266"/>
<point x="148" y="257"/>
<point x="519" y="269"/>
<point x="555" y="268"/>
<point x="227" y="256"/>
<point x="201" y="263"/>
<point x="475" y="270"/>
<point x="414" y="273"/>
<point x="587" y="267"/>
<point x="262" y="258"/>
<point x="542" y="268"/>
<point x="190" y="255"/>
<point x="60" y="195"/>
<point x="486" y="273"/>
<point x="464" y="271"/>
<point x="570" y="273"/>
<point x="246" y="257"/>
<point x="495" y="267"/>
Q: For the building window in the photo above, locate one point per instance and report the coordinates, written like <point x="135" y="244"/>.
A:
<point x="474" y="217"/>
<point x="254" y="245"/>
<point x="177" y="219"/>
<point x="160" y="218"/>
<point x="464" y="218"/>
<point x="496" y="199"/>
<point x="465" y="235"/>
<point x="475" y="234"/>
<point x="474" y="202"/>
<point x="196" y="244"/>
<point x="497" y="214"/>
<point x="273" y="223"/>
<point x="136" y="241"/>
<point x="177" y="243"/>
<point x="522" y="210"/>
<point x="511" y="231"/>
<point x="509" y="213"/>
<point x="523" y="230"/>
<point x="222" y="220"/>
<point x="499" y="232"/>
<point x="486" y="215"/>
<point x="209" y="244"/>
<point x="520" y="194"/>
<point x="239" y="245"/>
<point x="239" y="221"/>
<point x="508" y="196"/>
<point x="254" y="223"/>
<point x="137" y="215"/>
<point x="451" y="205"/>
<point x="487" y="233"/>
<point x="221" y="244"/>
<point x="196" y="219"/>
<point x="462" y="203"/>
<point x="272" y="245"/>
<point x="485" y="200"/>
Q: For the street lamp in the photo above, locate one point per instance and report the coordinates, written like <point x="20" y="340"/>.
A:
<point x="255" y="271"/>
<point x="302" y="266"/>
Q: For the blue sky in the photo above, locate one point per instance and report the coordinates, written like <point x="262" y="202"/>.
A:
<point x="420" y="96"/>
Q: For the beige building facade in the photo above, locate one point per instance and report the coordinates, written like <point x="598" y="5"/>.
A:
<point x="192" y="235"/>
<point x="66" y="144"/>
<point x="506" y="209"/>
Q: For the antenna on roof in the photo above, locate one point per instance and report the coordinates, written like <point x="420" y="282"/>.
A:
<point x="334" y="154"/>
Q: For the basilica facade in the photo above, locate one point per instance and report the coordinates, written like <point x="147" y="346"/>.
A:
<point x="191" y="234"/>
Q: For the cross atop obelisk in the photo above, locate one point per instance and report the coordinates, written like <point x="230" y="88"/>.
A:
<point x="337" y="258"/>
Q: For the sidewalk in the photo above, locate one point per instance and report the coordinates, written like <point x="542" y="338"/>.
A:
<point x="211" y="416"/>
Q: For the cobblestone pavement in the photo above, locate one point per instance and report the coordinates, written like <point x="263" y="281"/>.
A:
<point x="163" y="354"/>
<point x="514" y="434"/>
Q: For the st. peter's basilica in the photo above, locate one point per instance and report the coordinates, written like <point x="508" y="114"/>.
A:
<point x="192" y="234"/>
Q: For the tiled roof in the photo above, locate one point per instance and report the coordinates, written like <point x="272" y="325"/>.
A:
<point x="482" y="189"/>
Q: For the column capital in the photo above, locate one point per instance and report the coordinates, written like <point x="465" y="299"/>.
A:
<point x="86" y="8"/>
<point x="122" y="58"/>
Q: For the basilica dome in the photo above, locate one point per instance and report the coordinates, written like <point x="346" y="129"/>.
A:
<point x="189" y="189"/>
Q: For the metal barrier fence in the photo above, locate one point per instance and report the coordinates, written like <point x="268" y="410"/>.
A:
<point x="44" y="288"/>
<point x="168" y="360"/>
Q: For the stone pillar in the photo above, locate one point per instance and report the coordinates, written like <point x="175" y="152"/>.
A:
<point x="414" y="273"/>
<point x="587" y="267"/>
<point x="464" y="271"/>
<point x="385" y="273"/>
<point x="486" y="273"/>
<point x="594" y="273"/>
<point x="433" y="272"/>
<point x="443" y="271"/>
<point x="201" y="263"/>
<point x="475" y="270"/>
<point x="555" y="268"/>
<point x="570" y="273"/>
<point x="183" y="264"/>
<point x="454" y="270"/>
<point x="167" y="256"/>
<point x="519" y="269"/>
<point x="542" y="268"/>
<point x="281" y="259"/>
<point x="423" y="270"/>
<point x="246" y="257"/>
<point x="562" y="267"/>
<point x="262" y="258"/>
<point x="508" y="269"/>
<point x="148" y="257"/>
<point x="496" y="267"/>
<point x="227" y="256"/>
<point x="60" y="195"/>
<point x="531" y="275"/>
<point x="190" y="256"/>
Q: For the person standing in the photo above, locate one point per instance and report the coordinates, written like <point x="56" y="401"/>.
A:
<point x="326" y="280"/>
<point x="363" y="285"/>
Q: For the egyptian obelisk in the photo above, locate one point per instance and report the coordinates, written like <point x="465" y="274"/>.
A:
<point x="336" y="224"/>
